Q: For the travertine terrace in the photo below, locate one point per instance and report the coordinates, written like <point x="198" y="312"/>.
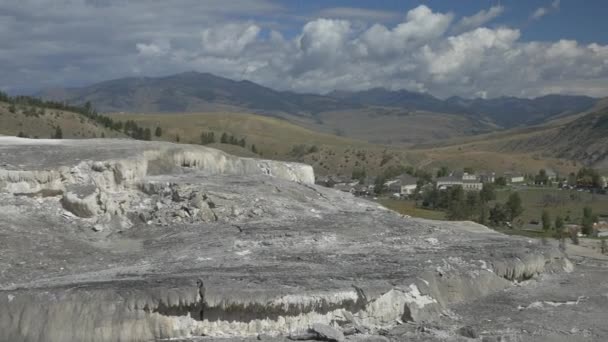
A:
<point x="105" y="240"/>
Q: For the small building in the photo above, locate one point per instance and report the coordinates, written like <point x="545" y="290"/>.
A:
<point x="469" y="177"/>
<point x="514" y="178"/>
<point x="346" y="187"/>
<point x="472" y="185"/>
<point x="551" y="175"/>
<point x="487" y="177"/>
<point x="601" y="228"/>
<point x="448" y="181"/>
<point x="361" y="190"/>
<point x="405" y="185"/>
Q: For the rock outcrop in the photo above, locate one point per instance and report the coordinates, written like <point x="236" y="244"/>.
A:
<point x="104" y="240"/>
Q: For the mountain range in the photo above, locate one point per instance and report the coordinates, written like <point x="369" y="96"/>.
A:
<point x="199" y="92"/>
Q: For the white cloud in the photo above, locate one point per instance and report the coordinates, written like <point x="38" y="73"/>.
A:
<point x="323" y="35"/>
<point x="229" y="39"/>
<point x="421" y="25"/>
<point x="153" y="49"/>
<point x="468" y="51"/>
<point x="425" y="52"/>
<point x="542" y="11"/>
<point x="478" y="19"/>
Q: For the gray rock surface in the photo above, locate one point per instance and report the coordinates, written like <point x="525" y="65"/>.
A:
<point x="327" y="333"/>
<point x="277" y="254"/>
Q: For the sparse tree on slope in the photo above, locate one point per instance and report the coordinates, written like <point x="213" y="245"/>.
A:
<point x="546" y="220"/>
<point x="443" y="171"/>
<point x="559" y="224"/>
<point x="58" y="133"/>
<point x="487" y="193"/>
<point x="588" y="220"/>
<point x="147" y="134"/>
<point x="514" y="206"/>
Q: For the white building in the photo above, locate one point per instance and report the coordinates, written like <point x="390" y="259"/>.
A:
<point x="514" y="177"/>
<point x="551" y="175"/>
<point x="448" y="181"/>
<point x="468" y="181"/>
<point x="472" y="185"/>
<point x="469" y="176"/>
<point x="487" y="177"/>
<point x="404" y="185"/>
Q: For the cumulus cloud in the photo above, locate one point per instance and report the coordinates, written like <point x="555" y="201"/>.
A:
<point x="426" y="51"/>
<point x="478" y="19"/>
<point x="421" y="26"/>
<point x="228" y="40"/>
<point x="542" y="11"/>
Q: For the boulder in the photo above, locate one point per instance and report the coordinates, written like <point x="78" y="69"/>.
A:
<point x="327" y="333"/>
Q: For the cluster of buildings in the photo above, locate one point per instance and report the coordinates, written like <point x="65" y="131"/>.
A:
<point x="474" y="182"/>
<point x="405" y="184"/>
<point x="355" y="186"/>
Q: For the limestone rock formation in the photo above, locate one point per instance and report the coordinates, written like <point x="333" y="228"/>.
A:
<point x="104" y="240"/>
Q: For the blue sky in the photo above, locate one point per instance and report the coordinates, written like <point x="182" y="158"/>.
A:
<point x="465" y="47"/>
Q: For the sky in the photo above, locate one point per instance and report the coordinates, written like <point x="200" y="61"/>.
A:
<point x="468" y="48"/>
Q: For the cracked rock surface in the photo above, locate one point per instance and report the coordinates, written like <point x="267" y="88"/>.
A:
<point x="104" y="240"/>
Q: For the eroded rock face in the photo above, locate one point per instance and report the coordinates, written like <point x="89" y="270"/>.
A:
<point x="114" y="252"/>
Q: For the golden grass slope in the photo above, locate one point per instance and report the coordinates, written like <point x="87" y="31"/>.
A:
<point x="73" y="125"/>
<point x="276" y="138"/>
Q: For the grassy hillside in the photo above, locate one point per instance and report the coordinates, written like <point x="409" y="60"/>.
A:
<point x="582" y="138"/>
<point x="328" y="153"/>
<point x="40" y="122"/>
<point x="380" y="116"/>
<point x="398" y="126"/>
<point x="276" y="136"/>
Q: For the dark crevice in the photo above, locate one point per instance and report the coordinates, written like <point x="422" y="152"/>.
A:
<point x="249" y="312"/>
<point x="41" y="193"/>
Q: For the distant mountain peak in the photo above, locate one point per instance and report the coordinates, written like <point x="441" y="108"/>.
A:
<point x="198" y="91"/>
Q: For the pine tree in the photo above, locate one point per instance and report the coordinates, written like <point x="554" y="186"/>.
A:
<point x="514" y="206"/>
<point x="559" y="224"/>
<point x="487" y="193"/>
<point x="588" y="220"/>
<point x="158" y="132"/>
<point x="207" y="138"/>
<point x="58" y="133"/>
<point x="254" y="149"/>
<point x="546" y="220"/>
<point x="233" y="140"/>
<point x="147" y="134"/>
<point x="224" y="138"/>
